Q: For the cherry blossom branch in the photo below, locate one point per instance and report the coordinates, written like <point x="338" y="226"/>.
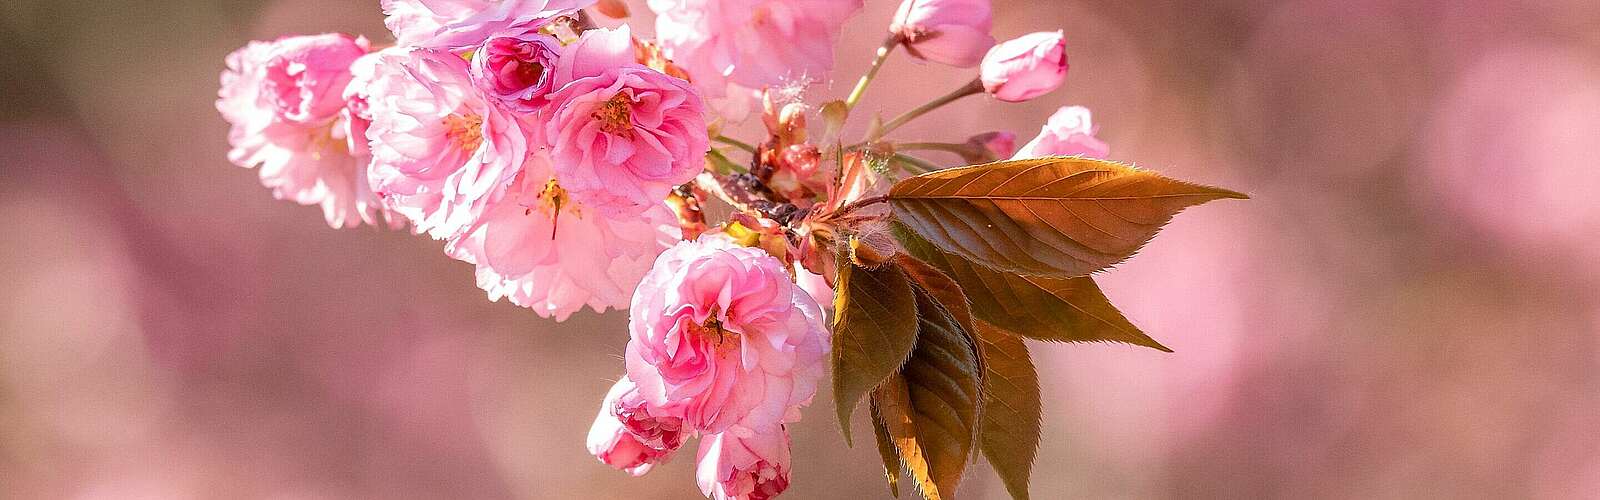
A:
<point x="888" y="46"/>
<point x="973" y="87"/>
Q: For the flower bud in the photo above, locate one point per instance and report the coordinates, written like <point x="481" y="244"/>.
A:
<point x="953" y="32"/>
<point x="1027" y="67"/>
<point x="752" y="467"/>
<point x="516" y="70"/>
<point x="990" y="146"/>
<point x="613" y="442"/>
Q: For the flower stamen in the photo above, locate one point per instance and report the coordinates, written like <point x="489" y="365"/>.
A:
<point x="465" y="131"/>
<point x="616" y="115"/>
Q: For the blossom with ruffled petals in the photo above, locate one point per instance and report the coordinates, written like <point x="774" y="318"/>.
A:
<point x="1067" y="133"/>
<point x="440" y="147"/>
<point x="751" y="43"/>
<point x="621" y="135"/>
<point x="1026" y="67"/>
<point x="540" y="249"/>
<point x="517" y="70"/>
<point x="458" y="24"/>
<point x="953" y="32"/>
<point x="744" y="465"/>
<point x="284" y="101"/>
<point x="613" y="442"/>
<point x="720" y="335"/>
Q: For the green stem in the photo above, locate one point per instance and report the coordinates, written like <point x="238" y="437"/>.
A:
<point x="877" y="63"/>
<point x="970" y="88"/>
<point x="948" y="147"/>
<point x="918" y="163"/>
<point x="735" y="143"/>
<point x="723" y="163"/>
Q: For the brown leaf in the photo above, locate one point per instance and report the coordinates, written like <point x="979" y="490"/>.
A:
<point x="932" y="408"/>
<point x="892" y="403"/>
<point x="1059" y="216"/>
<point x="935" y="282"/>
<point x="886" y="448"/>
<point x="1010" y="435"/>
<point x="1053" y="309"/>
<point x="873" y="332"/>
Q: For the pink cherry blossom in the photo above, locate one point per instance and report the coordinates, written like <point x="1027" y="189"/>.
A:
<point x="538" y="248"/>
<point x="615" y="445"/>
<point x="621" y="135"/>
<point x="1067" y="133"/>
<point x="1024" y="68"/>
<point x="458" y="24"/>
<point x="440" y="147"/>
<point x="284" y="102"/>
<point x="751" y="43"/>
<point x="516" y="70"/>
<point x="953" y="32"/>
<point x="720" y="335"/>
<point x="744" y="465"/>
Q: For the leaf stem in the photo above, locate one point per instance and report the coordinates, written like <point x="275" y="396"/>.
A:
<point x="919" y="163"/>
<point x="857" y="205"/>
<point x="723" y="163"/>
<point x="948" y="147"/>
<point x="973" y="87"/>
<point x="888" y="46"/>
<point x="735" y="143"/>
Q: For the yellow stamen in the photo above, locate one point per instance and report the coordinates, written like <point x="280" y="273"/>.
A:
<point x="616" y="115"/>
<point x="465" y="131"/>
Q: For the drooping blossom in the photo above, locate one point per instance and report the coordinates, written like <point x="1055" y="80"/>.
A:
<point x="621" y="135"/>
<point x="1025" y="67"/>
<point x="1068" y="132"/>
<point x="538" y="248"/>
<point x="459" y="24"/>
<point x="440" y="147"/>
<point x="654" y="430"/>
<point x="516" y="70"/>
<point x="953" y="32"/>
<point x="744" y="465"/>
<point x="751" y="44"/>
<point x="284" y="102"/>
<point x="611" y="440"/>
<point x="720" y="335"/>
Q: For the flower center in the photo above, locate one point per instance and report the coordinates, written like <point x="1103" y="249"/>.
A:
<point x="551" y="199"/>
<point x="615" y="115"/>
<point x="712" y="331"/>
<point x="465" y="131"/>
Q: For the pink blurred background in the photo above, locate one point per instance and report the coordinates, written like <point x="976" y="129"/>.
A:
<point x="1409" y="307"/>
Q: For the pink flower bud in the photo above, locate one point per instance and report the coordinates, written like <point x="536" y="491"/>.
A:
<point x="614" y="446"/>
<point x="516" y="70"/>
<point x="755" y="467"/>
<point x="1027" y="67"/>
<point x="658" y="432"/>
<point x="613" y="439"/>
<point x="953" y="32"/>
<point x="991" y="146"/>
<point x="1069" y="132"/>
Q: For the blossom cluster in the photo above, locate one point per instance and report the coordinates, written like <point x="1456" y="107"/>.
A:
<point x="569" y="163"/>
